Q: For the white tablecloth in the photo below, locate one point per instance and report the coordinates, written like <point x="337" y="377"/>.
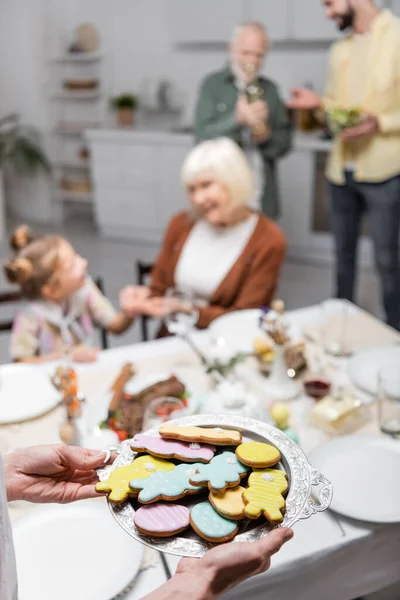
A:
<point x="319" y="563"/>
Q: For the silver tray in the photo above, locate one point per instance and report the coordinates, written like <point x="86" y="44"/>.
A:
<point x="309" y="491"/>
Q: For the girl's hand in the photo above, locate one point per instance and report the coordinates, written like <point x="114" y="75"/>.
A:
<point x="84" y="354"/>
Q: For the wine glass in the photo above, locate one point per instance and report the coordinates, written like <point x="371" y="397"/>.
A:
<point x="181" y="314"/>
<point x="389" y="400"/>
<point x="333" y="327"/>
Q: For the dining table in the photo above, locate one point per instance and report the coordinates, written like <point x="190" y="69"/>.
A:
<point x="331" y="557"/>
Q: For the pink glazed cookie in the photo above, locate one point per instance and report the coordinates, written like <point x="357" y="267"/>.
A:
<point x="162" y="520"/>
<point x="163" y="448"/>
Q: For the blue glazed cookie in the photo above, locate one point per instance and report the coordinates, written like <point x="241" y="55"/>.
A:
<point x="173" y="487"/>
<point x="224" y="471"/>
<point x="209" y="525"/>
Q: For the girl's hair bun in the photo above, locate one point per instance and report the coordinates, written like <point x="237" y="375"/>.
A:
<point x="21" y="237"/>
<point x="18" y="270"/>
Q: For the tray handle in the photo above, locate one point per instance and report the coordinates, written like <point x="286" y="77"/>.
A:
<point x="320" y="497"/>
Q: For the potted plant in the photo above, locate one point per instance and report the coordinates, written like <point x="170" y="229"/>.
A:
<point x="21" y="151"/>
<point x="125" y="105"/>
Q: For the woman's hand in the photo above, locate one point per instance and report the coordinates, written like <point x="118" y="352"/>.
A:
<point x="133" y="300"/>
<point x="84" y="354"/>
<point x="55" y="473"/>
<point x="222" y="568"/>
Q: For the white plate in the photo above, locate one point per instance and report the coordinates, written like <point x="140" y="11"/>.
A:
<point x="25" y="393"/>
<point x="136" y="384"/>
<point x="239" y="329"/>
<point x="73" y="552"/>
<point x="364" y="473"/>
<point x="364" y="366"/>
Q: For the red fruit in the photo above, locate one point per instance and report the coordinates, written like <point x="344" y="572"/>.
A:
<point x="122" y="435"/>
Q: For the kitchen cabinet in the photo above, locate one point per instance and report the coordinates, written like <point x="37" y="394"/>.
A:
<point x="274" y="15"/>
<point x="394" y="6"/>
<point x="205" y="21"/>
<point x="137" y="183"/>
<point x="308" y="22"/>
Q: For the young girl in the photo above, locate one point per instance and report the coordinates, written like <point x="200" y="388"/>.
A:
<point x="60" y="301"/>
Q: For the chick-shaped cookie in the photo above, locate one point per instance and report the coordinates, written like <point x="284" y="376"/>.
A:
<point x="166" y="486"/>
<point x="230" y="504"/>
<point x="264" y="495"/>
<point x="224" y="471"/>
<point x="117" y="485"/>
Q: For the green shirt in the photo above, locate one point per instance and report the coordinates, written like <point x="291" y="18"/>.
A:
<point x="215" y="117"/>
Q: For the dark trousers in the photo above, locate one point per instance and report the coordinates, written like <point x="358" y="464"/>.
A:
<point x="381" y="201"/>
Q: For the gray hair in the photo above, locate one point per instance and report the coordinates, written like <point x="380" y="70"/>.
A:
<point x="255" y="25"/>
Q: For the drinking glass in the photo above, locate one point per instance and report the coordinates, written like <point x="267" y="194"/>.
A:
<point x="181" y="313"/>
<point x="389" y="399"/>
<point x="160" y="410"/>
<point x="334" y="318"/>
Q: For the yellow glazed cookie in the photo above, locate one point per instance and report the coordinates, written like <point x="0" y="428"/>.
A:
<point x="117" y="485"/>
<point x="214" y="435"/>
<point x="231" y="505"/>
<point x="258" y="455"/>
<point x="264" y="495"/>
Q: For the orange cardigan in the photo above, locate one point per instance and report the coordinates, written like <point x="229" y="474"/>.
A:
<point x="252" y="280"/>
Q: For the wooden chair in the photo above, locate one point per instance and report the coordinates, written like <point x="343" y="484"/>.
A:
<point x="143" y="272"/>
<point x="11" y="297"/>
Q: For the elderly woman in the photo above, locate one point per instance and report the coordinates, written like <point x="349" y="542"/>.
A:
<point x="228" y="256"/>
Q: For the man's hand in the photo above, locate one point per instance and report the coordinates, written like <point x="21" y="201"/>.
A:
<point x="304" y="99"/>
<point x="55" y="473"/>
<point x="222" y="568"/>
<point x="133" y="300"/>
<point x="368" y="126"/>
<point x="251" y="114"/>
<point x="261" y="133"/>
<point x="243" y="114"/>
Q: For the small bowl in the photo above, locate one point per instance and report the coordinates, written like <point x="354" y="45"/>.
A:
<point x="317" y="387"/>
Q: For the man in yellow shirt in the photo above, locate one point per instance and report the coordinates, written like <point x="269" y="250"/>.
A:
<point x="364" y="167"/>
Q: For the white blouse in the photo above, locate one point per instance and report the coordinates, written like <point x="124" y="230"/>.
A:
<point x="208" y="255"/>
<point x="8" y="570"/>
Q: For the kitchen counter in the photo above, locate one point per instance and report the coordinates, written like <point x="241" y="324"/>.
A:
<point x="165" y="131"/>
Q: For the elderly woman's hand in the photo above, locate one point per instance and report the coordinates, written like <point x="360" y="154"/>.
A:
<point x="54" y="473"/>
<point x="133" y="300"/>
<point x="222" y="568"/>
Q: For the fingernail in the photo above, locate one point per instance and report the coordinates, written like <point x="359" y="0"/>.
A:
<point x="288" y="534"/>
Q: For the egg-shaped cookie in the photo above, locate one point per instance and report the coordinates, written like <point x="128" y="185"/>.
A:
<point x="258" y="455"/>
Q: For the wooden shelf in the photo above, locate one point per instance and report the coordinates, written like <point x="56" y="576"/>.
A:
<point x="73" y="165"/>
<point x="75" y="128"/>
<point x="66" y="196"/>
<point x="78" y="95"/>
<point x="79" y="57"/>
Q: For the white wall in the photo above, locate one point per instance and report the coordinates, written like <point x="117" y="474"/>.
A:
<point x="137" y="44"/>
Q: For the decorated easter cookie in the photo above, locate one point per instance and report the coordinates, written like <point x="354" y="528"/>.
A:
<point x="209" y="525"/>
<point x="184" y="451"/>
<point x="162" y="520"/>
<point x="264" y="495"/>
<point x="231" y="505"/>
<point x="222" y="472"/>
<point x="117" y="485"/>
<point x="216" y="435"/>
<point x="166" y="486"/>
<point x="258" y="455"/>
